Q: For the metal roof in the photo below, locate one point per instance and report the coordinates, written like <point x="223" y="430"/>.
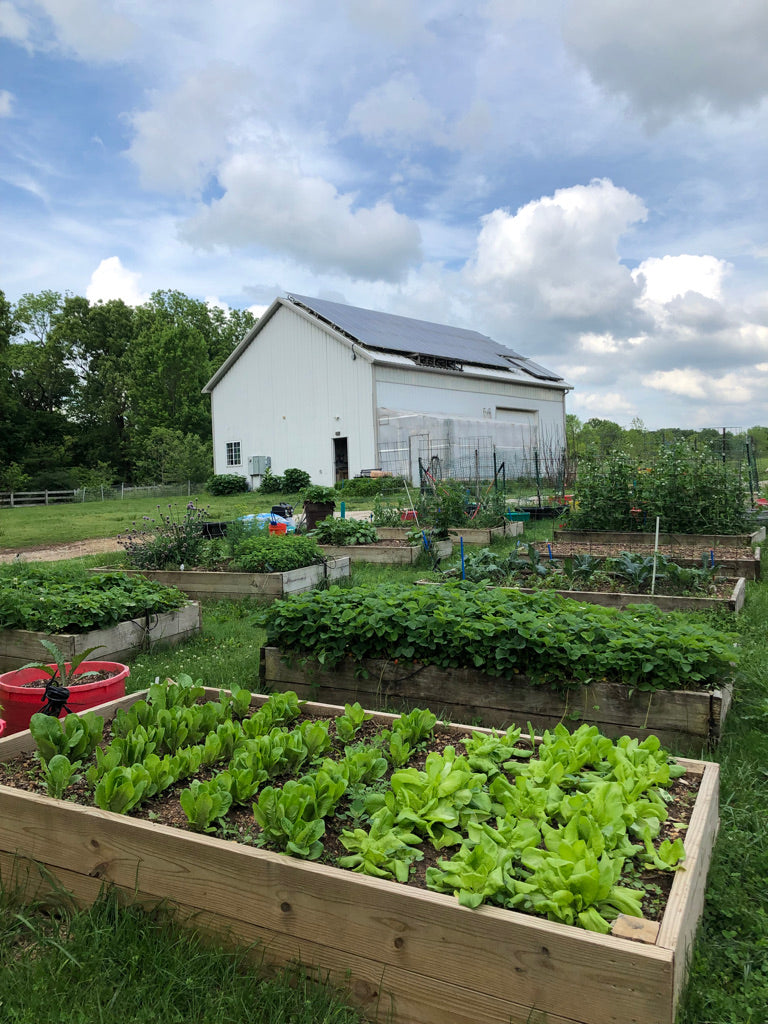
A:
<point x="392" y="333"/>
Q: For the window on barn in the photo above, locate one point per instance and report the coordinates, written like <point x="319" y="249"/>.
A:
<point x="233" y="453"/>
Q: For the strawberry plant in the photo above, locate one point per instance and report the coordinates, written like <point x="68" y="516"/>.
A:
<point x="550" y="639"/>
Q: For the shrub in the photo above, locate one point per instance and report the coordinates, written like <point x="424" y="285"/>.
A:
<point x="270" y="484"/>
<point x="295" y="479"/>
<point x="276" y="554"/>
<point x="345" y="531"/>
<point x="368" y="487"/>
<point x="167" y="540"/>
<point x="226" y="483"/>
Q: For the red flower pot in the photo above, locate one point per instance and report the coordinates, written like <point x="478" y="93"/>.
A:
<point x="19" y="701"/>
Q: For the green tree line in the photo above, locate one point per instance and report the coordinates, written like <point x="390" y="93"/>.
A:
<point x="603" y="437"/>
<point x="95" y="393"/>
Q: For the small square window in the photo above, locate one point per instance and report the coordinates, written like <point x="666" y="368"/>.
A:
<point x="233" y="453"/>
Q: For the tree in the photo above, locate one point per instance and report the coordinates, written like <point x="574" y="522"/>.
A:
<point x="100" y="337"/>
<point x="169" y="456"/>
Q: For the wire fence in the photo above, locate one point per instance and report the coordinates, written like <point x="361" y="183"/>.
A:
<point x="23" y="499"/>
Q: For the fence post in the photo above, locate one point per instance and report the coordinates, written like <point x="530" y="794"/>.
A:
<point x="122" y="490"/>
<point x="46" y="497"/>
<point x="102" y="492"/>
<point x="11" y="499"/>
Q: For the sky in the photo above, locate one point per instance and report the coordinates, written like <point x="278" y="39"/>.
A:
<point x="584" y="181"/>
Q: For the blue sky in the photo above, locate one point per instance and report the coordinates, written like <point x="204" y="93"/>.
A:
<point x="585" y="182"/>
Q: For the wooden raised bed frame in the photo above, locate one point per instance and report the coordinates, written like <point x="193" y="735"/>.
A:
<point x="471" y="535"/>
<point x="666" y="602"/>
<point x="746" y="565"/>
<point x="391" y="554"/>
<point x="684" y="718"/>
<point x="399" y="948"/>
<point x="116" y="643"/>
<point x="264" y="586"/>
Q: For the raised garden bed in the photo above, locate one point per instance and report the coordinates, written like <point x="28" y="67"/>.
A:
<point x="733" y="553"/>
<point x="266" y="586"/>
<point x="392" y="552"/>
<point x="415" y="951"/>
<point x="115" y="643"/>
<point x="471" y="535"/>
<point x="685" y="718"/>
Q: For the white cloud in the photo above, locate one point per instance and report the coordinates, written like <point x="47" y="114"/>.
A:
<point x="690" y="382"/>
<point x="397" y="112"/>
<point x="269" y="202"/>
<point x="671" y="58"/>
<point x="605" y="405"/>
<point x="181" y="139"/>
<point x="673" y="276"/>
<point x="90" y="29"/>
<point x="557" y="256"/>
<point x="598" y="344"/>
<point x="13" y="24"/>
<point x="6" y="103"/>
<point x="111" y="280"/>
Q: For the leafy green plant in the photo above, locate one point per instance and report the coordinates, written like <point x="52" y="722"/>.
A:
<point x="204" y="802"/>
<point x="61" y="669"/>
<point x="59" y="773"/>
<point x="546" y="637"/>
<point x="276" y="554"/>
<point x="349" y="723"/>
<point x="317" y="494"/>
<point x="271" y="483"/>
<point x="76" y="736"/>
<point x="63" y="601"/>
<point x="345" y="531"/>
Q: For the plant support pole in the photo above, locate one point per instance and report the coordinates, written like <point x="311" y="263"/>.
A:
<point x="655" y="553"/>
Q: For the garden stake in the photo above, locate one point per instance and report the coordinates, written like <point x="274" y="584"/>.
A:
<point x="655" y="553"/>
<point x="461" y="546"/>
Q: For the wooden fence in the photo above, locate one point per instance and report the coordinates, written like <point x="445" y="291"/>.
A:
<point x="20" y="499"/>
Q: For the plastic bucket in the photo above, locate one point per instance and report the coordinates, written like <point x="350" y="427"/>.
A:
<point x="278" y="528"/>
<point x="408" y="514"/>
<point x="2" y="726"/>
<point x="19" y="702"/>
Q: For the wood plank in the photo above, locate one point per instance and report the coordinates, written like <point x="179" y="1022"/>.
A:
<point x="201" y="585"/>
<point x="390" y="992"/>
<point x="636" y="540"/>
<point x="686" y="899"/>
<point x="487" y="948"/>
<point x="465" y="694"/>
<point x="637" y="928"/>
<point x="119" y="642"/>
<point x="667" y="603"/>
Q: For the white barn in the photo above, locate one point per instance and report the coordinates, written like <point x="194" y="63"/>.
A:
<point x="335" y="390"/>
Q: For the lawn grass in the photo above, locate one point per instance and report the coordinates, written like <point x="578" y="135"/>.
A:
<point x="729" y="971"/>
<point x="116" y="964"/>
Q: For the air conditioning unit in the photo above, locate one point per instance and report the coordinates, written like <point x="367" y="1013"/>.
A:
<point x="259" y="464"/>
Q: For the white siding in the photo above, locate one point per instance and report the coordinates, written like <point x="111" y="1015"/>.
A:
<point x="291" y="391"/>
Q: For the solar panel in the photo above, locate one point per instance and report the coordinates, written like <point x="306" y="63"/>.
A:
<point x="416" y="337"/>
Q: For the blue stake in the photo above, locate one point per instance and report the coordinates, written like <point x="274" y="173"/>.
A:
<point x="711" y="556"/>
<point x="549" y="549"/>
<point x="343" y="510"/>
<point x="426" y="542"/>
<point x="461" y="545"/>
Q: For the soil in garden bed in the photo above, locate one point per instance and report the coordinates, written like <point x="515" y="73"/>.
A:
<point x="239" y="825"/>
<point x="82" y="680"/>
<point x="644" y="545"/>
